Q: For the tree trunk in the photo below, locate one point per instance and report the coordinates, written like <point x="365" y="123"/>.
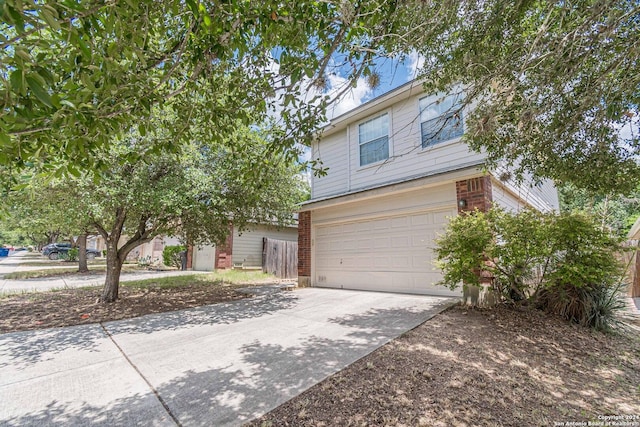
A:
<point x="112" y="281"/>
<point x="82" y="254"/>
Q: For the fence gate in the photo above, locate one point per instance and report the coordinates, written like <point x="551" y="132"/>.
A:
<point x="280" y="257"/>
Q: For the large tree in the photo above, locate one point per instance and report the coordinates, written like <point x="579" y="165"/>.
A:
<point x="75" y="75"/>
<point x="615" y="212"/>
<point x="193" y="194"/>
<point x="555" y="85"/>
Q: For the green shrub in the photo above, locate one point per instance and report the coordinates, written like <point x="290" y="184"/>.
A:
<point x="594" y="306"/>
<point x="72" y="254"/>
<point x="171" y="255"/>
<point x="565" y="264"/>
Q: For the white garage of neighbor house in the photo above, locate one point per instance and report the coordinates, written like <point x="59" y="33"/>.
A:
<point x="392" y="184"/>
<point x="242" y="250"/>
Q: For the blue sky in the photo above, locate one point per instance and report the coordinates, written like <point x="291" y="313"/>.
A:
<point x="392" y="72"/>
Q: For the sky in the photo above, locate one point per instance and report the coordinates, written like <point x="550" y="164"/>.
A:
<point x="393" y="73"/>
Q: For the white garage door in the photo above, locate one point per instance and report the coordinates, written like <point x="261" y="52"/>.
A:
<point x="390" y="253"/>
<point x="204" y="258"/>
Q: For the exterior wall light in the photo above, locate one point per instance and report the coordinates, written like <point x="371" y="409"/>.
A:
<point x="462" y="203"/>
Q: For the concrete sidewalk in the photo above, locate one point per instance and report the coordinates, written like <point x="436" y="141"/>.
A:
<point x="219" y="365"/>
<point x="17" y="262"/>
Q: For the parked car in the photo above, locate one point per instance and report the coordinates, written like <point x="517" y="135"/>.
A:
<point x="56" y="250"/>
<point x="55" y="247"/>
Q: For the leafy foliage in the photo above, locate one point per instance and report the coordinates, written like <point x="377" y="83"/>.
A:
<point x="72" y="254"/>
<point x="565" y="263"/>
<point x="554" y="85"/>
<point x="77" y="75"/>
<point x="171" y="255"/>
<point x="193" y="194"/>
<point x="616" y="212"/>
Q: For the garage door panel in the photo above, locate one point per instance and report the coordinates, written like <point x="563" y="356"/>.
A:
<point x="391" y="253"/>
<point x="401" y="282"/>
<point x="400" y="222"/>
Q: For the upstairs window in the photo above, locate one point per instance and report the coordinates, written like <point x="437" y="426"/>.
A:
<point x="373" y="138"/>
<point x="441" y="119"/>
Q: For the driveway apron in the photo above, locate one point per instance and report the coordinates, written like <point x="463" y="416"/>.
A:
<point x="218" y="365"/>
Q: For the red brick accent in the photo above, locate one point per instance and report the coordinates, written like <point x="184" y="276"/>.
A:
<point x="224" y="253"/>
<point x="304" y="244"/>
<point x="476" y="193"/>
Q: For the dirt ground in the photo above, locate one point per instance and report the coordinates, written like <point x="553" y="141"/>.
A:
<point x="504" y="367"/>
<point x="80" y="306"/>
<point x="464" y="367"/>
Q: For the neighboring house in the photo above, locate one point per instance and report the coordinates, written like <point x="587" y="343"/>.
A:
<point x="150" y="252"/>
<point x="396" y="172"/>
<point x="241" y="250"/>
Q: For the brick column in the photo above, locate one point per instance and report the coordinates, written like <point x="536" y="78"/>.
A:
<point x="304" y="249"/>
<point x="474" y="193"/>
<point x="224" y="253"/>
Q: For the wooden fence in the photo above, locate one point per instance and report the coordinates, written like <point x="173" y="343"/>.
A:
<point x="280" y="257"/>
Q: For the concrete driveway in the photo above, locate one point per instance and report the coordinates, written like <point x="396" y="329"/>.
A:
<point x="218" y="365"/>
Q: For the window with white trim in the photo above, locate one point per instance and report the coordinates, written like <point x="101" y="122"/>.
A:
<point x="440" y="119"/>
<point x="373" y="138"/>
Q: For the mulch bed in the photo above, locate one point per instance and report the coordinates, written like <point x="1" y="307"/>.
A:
<point x="80" y="306"/>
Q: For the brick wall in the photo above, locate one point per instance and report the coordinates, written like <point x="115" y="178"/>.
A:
<point x="304" y="248"/>
<point x="224" y="253"/>
<point x="476" y="193"/>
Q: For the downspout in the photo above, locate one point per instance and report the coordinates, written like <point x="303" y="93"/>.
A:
<point x="348" y="158"/>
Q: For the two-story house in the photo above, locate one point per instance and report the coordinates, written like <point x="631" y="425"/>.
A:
<point x="397" y="170"/>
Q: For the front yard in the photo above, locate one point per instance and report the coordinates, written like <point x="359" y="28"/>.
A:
<point x="504" y="367"/>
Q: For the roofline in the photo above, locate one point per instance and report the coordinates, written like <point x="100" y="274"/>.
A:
<point x="470" y="166"/>
<point x="343" y="119"/>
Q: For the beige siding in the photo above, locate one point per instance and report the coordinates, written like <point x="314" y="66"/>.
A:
<point x="408" y="201"/>
<point x="543" y="197"/>
<point x="247" y="246"/>
<point x="505" y="199"/>
<point x="333" y="153"/>
<point x="407" y="157"/>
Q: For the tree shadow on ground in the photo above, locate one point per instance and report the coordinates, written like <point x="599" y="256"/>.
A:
<point x="138" y="410"/>
<point x="266" y="376"/>
<point x="470" y="368"/>
<point x="265" y="301"/>
<point x="30" y="347"/>
<point x="19" y="350"/>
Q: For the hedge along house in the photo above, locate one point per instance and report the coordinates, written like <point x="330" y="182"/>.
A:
<point x="397" y="170"/>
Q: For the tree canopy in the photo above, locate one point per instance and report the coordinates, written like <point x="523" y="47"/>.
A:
<point x="555" y="85"/>
<point x="193" y="194"/>
<point x="75" y="75"/>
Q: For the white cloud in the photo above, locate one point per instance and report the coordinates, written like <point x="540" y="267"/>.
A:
<point x="416" y="62"/>
<point x="338" y="89"/>
<point x="352" y="98"/>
